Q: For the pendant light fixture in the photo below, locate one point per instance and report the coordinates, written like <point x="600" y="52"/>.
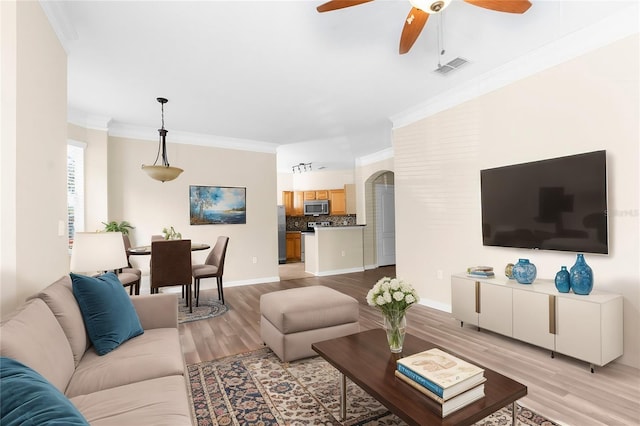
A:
<point x="162" y="172"/>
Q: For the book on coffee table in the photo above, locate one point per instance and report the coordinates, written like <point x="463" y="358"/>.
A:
<point x="452" y="404"/>
<point x="443" y="374"/>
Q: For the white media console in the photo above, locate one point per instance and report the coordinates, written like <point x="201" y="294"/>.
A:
<point x="589" y="328"/>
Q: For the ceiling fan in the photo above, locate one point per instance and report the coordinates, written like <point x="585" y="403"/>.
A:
<point x="417" y="17"/>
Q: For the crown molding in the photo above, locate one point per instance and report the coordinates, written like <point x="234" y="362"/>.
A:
<point x="61" y="25"/>
<point x="619" y="25"/>
<point x="151" y="134"/>
<point x="88" y="121"/>
<point x="375" y="157"/>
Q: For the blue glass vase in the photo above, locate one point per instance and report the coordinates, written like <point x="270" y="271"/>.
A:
<point x="563" y="283"/>
<point x="524" y="272"/>
<point x="581" y="276"/>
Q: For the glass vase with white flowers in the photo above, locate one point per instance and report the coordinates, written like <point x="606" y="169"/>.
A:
<point x="393" y="297"/>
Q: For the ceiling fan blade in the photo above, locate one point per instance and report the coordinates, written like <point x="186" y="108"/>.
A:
<point x="509" y="6"/>
<point x="413" y="26"/>
<point x="339" y="4"/>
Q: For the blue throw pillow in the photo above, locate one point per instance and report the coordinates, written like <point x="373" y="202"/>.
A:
<point x="109" y="315"/>
<point x="29" y="399"/>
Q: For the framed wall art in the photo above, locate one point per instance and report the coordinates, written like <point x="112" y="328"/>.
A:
<point x="217" y="205"/>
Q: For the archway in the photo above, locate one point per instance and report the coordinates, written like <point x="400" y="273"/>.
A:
<point x="379" y="234"/>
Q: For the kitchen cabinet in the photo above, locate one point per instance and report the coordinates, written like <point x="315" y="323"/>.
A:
<point x="298" y="203"/>
<point x="293" y="246"/>
<point x="287" y="201"/>
<point x="293" y="203"/>
<point x="589" y="328"/>
<point x="341" y="201"/>
<point x="321" y="194"/>
<point x="337" y="202"/>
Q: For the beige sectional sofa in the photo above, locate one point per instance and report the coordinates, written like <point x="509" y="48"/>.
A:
<point x="142" y="382"/>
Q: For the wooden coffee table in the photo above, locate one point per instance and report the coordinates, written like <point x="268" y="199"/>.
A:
<point x="366" y="360"/>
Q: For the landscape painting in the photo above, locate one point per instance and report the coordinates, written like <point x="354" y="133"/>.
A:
<point x="217" y="205"/>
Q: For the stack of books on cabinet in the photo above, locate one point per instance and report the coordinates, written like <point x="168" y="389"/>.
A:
<point x="481" y="271"/>
<point x="451" y="382"/>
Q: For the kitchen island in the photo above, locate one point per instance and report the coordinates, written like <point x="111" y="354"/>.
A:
<point x="334" y="250"/>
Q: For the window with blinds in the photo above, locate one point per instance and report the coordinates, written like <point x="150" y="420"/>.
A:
<point x="75" y="189"/>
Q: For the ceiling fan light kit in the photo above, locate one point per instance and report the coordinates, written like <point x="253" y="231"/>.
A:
<point x="162" y="172"/>
<point x="421" y="9"/>
<point x="430" y="6"/>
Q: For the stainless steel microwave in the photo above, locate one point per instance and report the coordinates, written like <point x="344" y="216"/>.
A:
<point x="316" y="207"/>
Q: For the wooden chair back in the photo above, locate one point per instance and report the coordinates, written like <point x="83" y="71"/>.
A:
<point x="170" y="263"/>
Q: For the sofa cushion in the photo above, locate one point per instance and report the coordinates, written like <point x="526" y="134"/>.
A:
<point x="60" y="299"/>
<point x="29" y="399"/>
<point x="158" y="402"/>
<point x="109" y="315"/>
<point x="154" y="354"/>
<point x="32" y="336"/>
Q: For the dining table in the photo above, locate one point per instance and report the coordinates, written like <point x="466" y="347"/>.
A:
<point x="141" y="250"/>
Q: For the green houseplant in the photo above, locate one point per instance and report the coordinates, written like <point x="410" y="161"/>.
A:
<point x="115" y="226"/>
<point x="171" y="234"/>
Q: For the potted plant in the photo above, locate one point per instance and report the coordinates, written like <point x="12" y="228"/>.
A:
<point x="171" y="234"/>
<point x="115" y="226"/>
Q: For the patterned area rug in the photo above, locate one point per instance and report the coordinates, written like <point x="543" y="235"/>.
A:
<point x="208" y="308"/>
<point x="255" y="388"/>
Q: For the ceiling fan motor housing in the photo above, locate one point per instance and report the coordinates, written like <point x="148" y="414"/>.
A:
<point x="436" y="6"/>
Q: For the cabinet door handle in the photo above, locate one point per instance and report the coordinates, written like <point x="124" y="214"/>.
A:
<point x="477" y="297"/>
<point x="552" y="314"/>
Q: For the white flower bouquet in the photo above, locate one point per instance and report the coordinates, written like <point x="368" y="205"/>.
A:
<point x="393" y="297"/>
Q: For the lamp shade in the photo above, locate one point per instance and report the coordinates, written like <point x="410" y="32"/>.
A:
<point x="98" y="251"/>
<point x="162" y="173"/>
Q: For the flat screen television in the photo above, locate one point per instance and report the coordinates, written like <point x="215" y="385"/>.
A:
<point x="554" y="204"/>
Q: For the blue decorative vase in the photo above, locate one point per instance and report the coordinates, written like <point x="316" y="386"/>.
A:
<point x="563" y="283"/>
<point x="524" y="272"/>
<point x="581" y="276"/>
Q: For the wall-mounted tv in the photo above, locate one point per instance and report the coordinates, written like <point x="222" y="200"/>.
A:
<point x="554" y="204"/>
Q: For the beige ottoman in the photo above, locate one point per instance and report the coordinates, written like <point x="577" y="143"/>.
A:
<point x="294" y="319"/>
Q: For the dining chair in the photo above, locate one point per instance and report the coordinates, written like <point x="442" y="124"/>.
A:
<point x="134" y="285"/>
<point x="171" y="266"/>
<point x="213" y="267"/>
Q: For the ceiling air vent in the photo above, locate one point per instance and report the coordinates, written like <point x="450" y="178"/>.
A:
<point x="450" y="66"/>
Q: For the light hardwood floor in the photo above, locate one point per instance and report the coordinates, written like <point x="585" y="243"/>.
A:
<point x="562" y="389"/>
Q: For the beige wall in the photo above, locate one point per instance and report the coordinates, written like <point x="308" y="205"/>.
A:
<point x="34" y="160"/>
<point x="585" y="104"/>
<point x="151" y="205"/>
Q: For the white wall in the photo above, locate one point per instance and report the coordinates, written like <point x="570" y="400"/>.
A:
<point x="34" y="153"/>
<point x="585" y="104"/>
<point x="313" y="180"/>
<point x="151" y="205"/>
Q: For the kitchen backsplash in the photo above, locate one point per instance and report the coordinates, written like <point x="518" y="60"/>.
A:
<point x="299" y="223"/>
